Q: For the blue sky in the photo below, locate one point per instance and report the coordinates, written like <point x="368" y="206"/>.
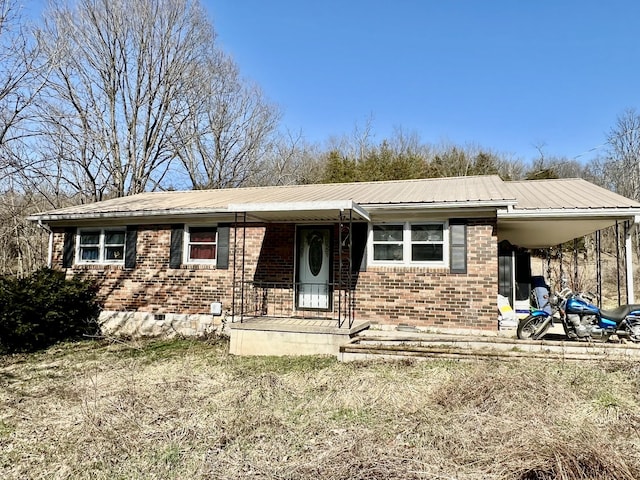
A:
<point x="507" y="75"/>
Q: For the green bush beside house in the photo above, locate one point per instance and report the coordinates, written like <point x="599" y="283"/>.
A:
<point x="45" y="308"/>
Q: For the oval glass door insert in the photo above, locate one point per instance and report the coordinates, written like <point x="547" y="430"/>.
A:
<point x="315" y="254"/>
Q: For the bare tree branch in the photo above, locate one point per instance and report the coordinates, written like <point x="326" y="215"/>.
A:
<point x="123" y="76"/>
<point x="230" y="131"/>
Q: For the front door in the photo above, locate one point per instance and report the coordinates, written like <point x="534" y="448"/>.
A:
<point x="314" y="268"/>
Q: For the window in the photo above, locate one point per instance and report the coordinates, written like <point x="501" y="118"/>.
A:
<point x="410" y="244"/>
<point x="202" y="244"/>
<point x="101" y="246"/>
<point x="427" y="243"/>
<point x="388" y="243"/>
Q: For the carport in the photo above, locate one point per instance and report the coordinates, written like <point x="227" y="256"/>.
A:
<point x="558" y="211"/>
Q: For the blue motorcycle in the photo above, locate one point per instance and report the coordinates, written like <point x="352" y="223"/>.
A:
<point x="581" y="319"/>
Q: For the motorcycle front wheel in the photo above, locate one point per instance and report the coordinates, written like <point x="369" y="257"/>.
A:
<point x="532" y="328"/>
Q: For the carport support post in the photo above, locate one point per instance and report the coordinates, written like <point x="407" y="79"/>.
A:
<point x="628" y="251"/>
<point x="575" y="263"/>
<point x="599" y="266"/>
<point x="618" y="261"/>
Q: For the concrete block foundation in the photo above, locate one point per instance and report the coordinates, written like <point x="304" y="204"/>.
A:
<point x="145" y="324"/>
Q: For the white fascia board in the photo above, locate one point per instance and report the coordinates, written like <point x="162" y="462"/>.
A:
<point x="446" y="209"/>
<point x="332" y="205"/>
<point x="569" y="213"/>
<point x="490" y="204"/>
<point x="119" y="215"/>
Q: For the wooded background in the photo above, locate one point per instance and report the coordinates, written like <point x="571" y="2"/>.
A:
<point x="106" y="98"/>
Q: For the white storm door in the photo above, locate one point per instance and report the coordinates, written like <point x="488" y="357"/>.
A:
<point x="314" y="268"/>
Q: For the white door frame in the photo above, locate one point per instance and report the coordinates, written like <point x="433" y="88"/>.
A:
<point x="314" y="267"/>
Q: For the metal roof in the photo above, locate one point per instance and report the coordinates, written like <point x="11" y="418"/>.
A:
<point x="564" y="193"/>
<point x="455" y="191"/>
<point x="551" y="212"/>
<point x="529" y="213"/>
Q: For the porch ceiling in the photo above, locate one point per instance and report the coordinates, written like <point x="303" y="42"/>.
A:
<point x="301" y="211"/>
<point x="532" y="231"/>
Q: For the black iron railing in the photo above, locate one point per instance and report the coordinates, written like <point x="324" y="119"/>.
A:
<point x="299" y="300"/>
<point x="334" y="301"/>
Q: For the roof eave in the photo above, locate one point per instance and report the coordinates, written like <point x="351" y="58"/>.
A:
<point x="361" y="210"/>
<point x="275" y="207"/>
<point x="568" y="213"/>
<point x="491" y="204"/>
<point x="156" y="214"/>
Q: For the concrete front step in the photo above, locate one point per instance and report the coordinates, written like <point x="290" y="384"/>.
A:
<point x="394" y="345"/>
<point x="290" y="336"/>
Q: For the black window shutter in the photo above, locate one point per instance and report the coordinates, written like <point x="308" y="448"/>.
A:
<point x="177" y="238"/>
<point x="69" y="248"/>
<point x="131" y="241"/>
<point x="222" y="259"/>
<point x="458" y="246"/>
<point x="360" y="232"/>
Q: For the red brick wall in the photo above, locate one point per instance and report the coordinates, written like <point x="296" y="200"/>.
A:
<point x="433" y="296"/>
<point x="154" y="287"/>
<point x="386" y="295"/>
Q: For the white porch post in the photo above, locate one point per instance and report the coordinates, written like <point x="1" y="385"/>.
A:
<point x="628" y="247"/>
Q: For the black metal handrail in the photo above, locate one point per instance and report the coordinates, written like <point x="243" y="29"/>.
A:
<point x="259" y="298"/>
<point x="280" y="299"/>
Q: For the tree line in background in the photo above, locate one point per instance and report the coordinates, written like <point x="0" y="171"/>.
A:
<point x="107" y="98"/>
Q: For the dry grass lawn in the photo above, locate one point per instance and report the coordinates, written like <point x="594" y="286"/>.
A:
<point x="187" y="410"/>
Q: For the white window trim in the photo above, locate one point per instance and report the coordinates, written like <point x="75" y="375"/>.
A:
<point x="406" y="246"/>
<point x="101" y="246"/>
<point x="187" y="242"/>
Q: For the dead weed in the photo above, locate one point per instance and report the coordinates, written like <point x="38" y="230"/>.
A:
<point x="188" y="410"/>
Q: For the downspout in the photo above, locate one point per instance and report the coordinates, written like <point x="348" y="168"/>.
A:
<point x="629" y="259"/>
<point x="50" y="244"/>
<point x="50" y="251"/>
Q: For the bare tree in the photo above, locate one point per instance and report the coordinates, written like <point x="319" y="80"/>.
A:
<point x="229" y="132"/>
<point x="358" y="143"/>
<point x="511" y="168"/>
<point x="121" y="82"/>
<point x="621" y="167"/>
<point x="23" y="245"/>
<point x="408" y="142"/>
<point x="20" y="80"/>
<point x="291" y="161"/>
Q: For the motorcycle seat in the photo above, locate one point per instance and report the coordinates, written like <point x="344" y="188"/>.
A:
<point x="618" y="314"/>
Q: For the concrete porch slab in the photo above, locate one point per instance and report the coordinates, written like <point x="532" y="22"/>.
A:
<point x="290" y="336"/>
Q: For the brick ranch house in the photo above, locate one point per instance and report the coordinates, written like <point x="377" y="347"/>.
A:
<point x="423" y="252"/>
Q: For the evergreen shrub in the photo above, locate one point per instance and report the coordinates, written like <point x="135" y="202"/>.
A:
<point x="44" y="308"/>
